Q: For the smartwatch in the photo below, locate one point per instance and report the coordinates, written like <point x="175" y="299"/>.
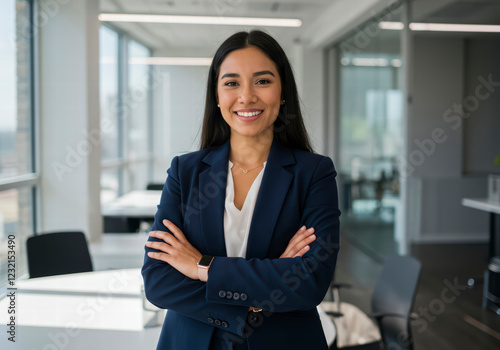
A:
<point x="203" y="265"/>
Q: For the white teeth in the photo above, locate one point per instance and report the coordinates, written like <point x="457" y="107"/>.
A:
<point x="250" y="114"/>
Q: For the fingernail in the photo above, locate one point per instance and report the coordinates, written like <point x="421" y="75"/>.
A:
<point x="166" y="221"/>
<point x="303" y="228"/>
<point x="310" y="229"/>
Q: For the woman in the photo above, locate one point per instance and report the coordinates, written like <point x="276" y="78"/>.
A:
<point x="228" y="254"/>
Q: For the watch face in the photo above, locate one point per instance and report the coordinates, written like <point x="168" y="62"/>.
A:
<point x="205" y="260"/>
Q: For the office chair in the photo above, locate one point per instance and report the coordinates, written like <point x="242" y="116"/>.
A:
<point x="58" y="253"/>
<point x="391" y="302"/>
<point x="154" y="186"/>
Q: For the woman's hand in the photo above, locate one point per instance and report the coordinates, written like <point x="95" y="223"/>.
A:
<point x="177" y="251"/>
<point x="299" y="244"/>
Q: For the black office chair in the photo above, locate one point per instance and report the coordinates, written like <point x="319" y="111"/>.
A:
<point x="391" y="302"/>
<point x="58" y="253"/>
<point x="154" y="186"/>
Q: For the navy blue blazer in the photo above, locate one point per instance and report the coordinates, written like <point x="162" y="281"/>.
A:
<point x="298" y="188"/>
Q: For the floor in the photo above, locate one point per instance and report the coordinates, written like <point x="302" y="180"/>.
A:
<point x="445" y="324"/>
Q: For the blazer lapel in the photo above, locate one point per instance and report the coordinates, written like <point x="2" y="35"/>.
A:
<point x="275" y="183"/>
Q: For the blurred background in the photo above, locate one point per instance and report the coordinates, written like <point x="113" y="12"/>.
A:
<point x="97" y="97"/>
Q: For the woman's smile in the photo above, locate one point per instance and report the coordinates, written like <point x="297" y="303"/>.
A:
<point x="248" y="117"/>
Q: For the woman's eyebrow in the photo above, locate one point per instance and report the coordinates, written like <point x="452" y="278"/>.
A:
<point x="236" y="75"/>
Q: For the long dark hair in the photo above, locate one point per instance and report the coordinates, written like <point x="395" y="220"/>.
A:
<point x="289" y="127"/>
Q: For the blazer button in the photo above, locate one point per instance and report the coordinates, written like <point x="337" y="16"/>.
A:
<point x="225" y="324"/>
<point x="229" y="294"/>
<point x="210" y="319"/>
<point x="243" y="296"/>
<point x="222" y="293"/>
<point x="236" y="296"/>
<point x="252" y="318"/>
<point x="218" y="322"/>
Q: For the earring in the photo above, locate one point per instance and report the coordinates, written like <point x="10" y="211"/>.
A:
<point x="283" y="101"/>
<point x="218" y="105"/>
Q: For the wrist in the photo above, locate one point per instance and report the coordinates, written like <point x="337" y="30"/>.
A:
<point x="204" y="266"/>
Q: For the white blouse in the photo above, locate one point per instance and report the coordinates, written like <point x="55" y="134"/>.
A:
<point x="236" y="222"/>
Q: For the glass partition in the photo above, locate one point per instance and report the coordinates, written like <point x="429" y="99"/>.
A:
<point x="370" y="112"/>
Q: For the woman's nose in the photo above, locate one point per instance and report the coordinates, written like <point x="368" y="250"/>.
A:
<point x="247" y="95"/>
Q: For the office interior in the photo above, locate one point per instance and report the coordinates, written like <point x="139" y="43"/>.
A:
<point x="98" y="96"/>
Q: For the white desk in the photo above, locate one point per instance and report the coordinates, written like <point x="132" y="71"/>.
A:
<point x="92" y="310"/>
<point x="493" y="208"/>
<point x="133" y="204"/>
<point x="482" y="204"/>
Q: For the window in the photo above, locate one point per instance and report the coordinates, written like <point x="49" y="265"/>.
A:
<point x="126" y="115"/>
<point x="18" y="178"/>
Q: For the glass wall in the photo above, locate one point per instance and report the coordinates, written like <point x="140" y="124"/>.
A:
<point x="108" y="85"/>
<point x="138" y="116"/>
<point x="18" y="180"/>
<point x="370" y="130"/>
<point x="126" y="115"/>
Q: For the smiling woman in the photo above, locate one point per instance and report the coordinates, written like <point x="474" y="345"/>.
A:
<point x="229" y="254"/>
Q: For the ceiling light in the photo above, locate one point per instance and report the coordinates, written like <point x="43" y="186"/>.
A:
<point x="369" y="62"/>
<point x="442" y="27"/>
<point x="172" y="61"/>
<point x="251" y="21"/>
<point x="391" y="25"/>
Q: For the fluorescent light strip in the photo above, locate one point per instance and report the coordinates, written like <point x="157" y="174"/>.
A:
<point x="273" y="22"/>
<point x="369" y="62"/>
<point x="172" y="61"/>
<point x="442" y="27"/>
<point x="391" y="25"/>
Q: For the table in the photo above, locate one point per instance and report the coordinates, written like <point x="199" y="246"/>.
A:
<point x="133" y="204"/>
<point x="491" y="296"/>
<point x="125" y="213"/>
<point x="90" y="310"/>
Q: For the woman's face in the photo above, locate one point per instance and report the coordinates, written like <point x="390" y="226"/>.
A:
<point x="249" y="83"/>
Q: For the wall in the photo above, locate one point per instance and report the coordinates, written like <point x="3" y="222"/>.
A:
<point x="445" y="72"/>
<point x="482" y="136"/>
<point x="70" y="150"/>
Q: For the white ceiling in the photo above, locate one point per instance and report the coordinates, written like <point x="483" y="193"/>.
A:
<point x="163" y="36"/>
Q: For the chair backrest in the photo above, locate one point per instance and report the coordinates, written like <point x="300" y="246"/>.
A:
<point x="58" y="253"/>
<point x="394" y="295"/>
<point x="154" y="187"/>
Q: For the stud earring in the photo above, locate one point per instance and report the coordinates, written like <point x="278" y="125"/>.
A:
<point x="218" y="105"/>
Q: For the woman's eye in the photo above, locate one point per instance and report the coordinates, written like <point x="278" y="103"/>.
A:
<point x="230" y="82"/>
<point x="267" y="81"/>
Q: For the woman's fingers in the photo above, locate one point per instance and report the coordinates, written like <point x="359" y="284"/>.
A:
<point x="165" y="236"/>
<point x="300" y="235"/>
<point x="175" y="230"/>
<point x="164" y="247"/>
<point x="304" y="244"/>
<point x="298" y="245"/>
<point x="302" y="251"/>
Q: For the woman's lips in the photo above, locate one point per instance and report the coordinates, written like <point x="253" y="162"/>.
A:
<point x="248" y="119"/>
